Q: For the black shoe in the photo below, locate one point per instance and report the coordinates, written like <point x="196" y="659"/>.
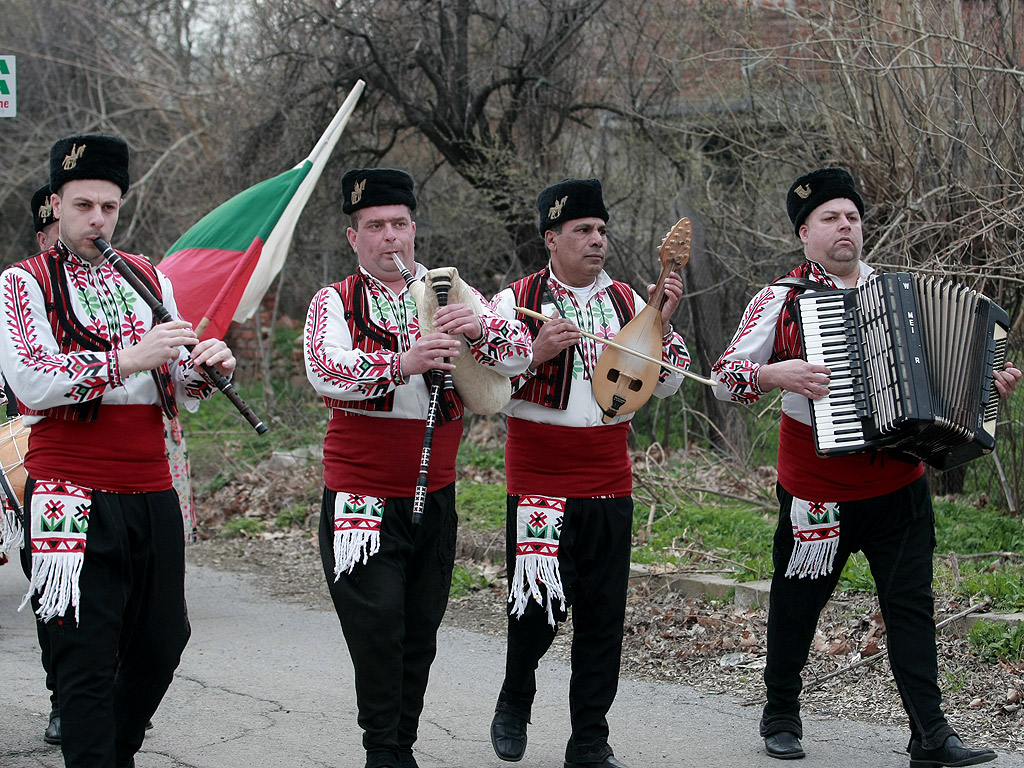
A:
<point x="52" y="733"/>
<point x="951" y="753"/>
<point x="609" y="762"/>
<point x="508" y="736"/>
<point x="784" y="745"/>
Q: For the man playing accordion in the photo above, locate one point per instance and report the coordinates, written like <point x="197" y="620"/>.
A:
<point x="883" y="501"/>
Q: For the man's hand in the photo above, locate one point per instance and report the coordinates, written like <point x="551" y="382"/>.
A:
<point x="159" y="345"/>
<point x="797" y="376"/>
<point x="215" y="353"/>
<point x="554" y="336"/>
<point x="428" y="352"/>
<point x="673" y="295"/>
<point x="1007" y="379"/>
<point x="458" y="318"/>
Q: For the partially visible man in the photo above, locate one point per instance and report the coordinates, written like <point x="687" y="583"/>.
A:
<point x="43" y="218"/>
<point x="569" y="517"/>
<point x="883" y="502"/>
<point x="46" y="235"/>
<point x="367" y="356"/>
<point x="93" y="373"/>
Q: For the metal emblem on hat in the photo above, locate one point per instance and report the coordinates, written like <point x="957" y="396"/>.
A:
<point x="45" y="211"/>
<point x="71" y="158"/>
<point x="556" y="210"/>
<point x="803" y="192"/>
<point x="357" y="191"/>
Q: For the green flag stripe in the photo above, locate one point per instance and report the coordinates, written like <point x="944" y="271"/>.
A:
<point x="250" y="214"/>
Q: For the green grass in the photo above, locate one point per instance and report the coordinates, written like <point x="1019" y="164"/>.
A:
<point x="240" y="526"/>
<point x="994" y="641"/>
<point x="466" y="580"/>
<point x="728" y="532"/>
<point x="738" y="538"/>
<point x="481" y="507"/>
<point x="473" y="455"/>
<point x="965" y="528"/>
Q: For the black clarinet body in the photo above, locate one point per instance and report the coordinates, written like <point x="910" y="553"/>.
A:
<point x="162" y="316"/>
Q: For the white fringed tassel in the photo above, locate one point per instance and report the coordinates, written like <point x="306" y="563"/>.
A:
<point x="812" y="558"/>
<point x="55" y="578"/>
<point x="11" y="534"/>
<point x="532" y="570"/>
<point x="353" y="546"/>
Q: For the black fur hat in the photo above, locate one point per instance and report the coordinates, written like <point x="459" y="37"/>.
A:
<point x="92" y="156"/>
<point x="367" y="187"/>
<point x="570" y="199"/>
<point x="42" y="211"/>
<point x="817" y="187"/>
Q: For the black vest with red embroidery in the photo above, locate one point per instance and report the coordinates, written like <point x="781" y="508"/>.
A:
<point x="550" y="386"/>
<point x="71" y="336"/>
<point x="368" y="337"/>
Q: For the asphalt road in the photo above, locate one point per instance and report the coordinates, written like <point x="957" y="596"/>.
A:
<point x="266" y="682"/>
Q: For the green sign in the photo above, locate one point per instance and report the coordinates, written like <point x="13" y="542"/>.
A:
<point x="8" y="87"/>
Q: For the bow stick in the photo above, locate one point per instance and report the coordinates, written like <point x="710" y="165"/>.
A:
<point x="610" y="343"/>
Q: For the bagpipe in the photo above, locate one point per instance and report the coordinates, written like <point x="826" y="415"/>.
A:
<point x="482" y="390"/>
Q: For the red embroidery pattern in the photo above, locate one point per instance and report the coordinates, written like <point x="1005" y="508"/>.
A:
<point x="25" y="334"/>
<point x="369" y="375"/>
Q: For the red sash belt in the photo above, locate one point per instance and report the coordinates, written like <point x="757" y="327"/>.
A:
<point x="381" y="457"/>
<point x="123" y="451"/>
<point x="808" y="476"/>
<point x="575" y="462"/>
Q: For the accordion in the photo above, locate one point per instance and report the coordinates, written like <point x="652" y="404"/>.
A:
<point x="912" y="362"/>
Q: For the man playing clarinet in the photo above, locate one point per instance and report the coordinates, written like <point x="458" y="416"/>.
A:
<point x="94" y="377"/>
<point x="365" y="354"/>
<point x="570" y="507"/>
<point x="883" y="501"/>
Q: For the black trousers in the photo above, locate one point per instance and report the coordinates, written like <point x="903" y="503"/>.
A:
<point x="593" y="558"/>
<point x="390" y="609"/>
<point x="114" y="666"/>
<point x="896" y="533"/>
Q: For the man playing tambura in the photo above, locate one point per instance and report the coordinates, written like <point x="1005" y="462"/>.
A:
<point x="366" y="355"/>
<point x="570" y="508"/>
<point x="884" y="502"/>
<point x="93" y="376"/>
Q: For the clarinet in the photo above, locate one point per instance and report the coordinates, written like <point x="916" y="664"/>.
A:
<point x="439" y="380"/>
<point x="162" y="316"/>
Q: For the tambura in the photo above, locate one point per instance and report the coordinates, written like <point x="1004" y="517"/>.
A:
<point x="13" y="447"/>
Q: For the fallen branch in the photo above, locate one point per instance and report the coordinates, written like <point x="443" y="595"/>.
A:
<point x="982" y="555"/>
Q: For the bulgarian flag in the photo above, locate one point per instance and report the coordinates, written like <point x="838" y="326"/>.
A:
<point x="222" y="267"/>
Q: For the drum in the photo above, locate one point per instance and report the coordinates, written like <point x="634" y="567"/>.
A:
<point x="13" y="447"/>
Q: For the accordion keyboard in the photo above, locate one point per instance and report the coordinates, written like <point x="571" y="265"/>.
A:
<point x="837" y="416"/>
